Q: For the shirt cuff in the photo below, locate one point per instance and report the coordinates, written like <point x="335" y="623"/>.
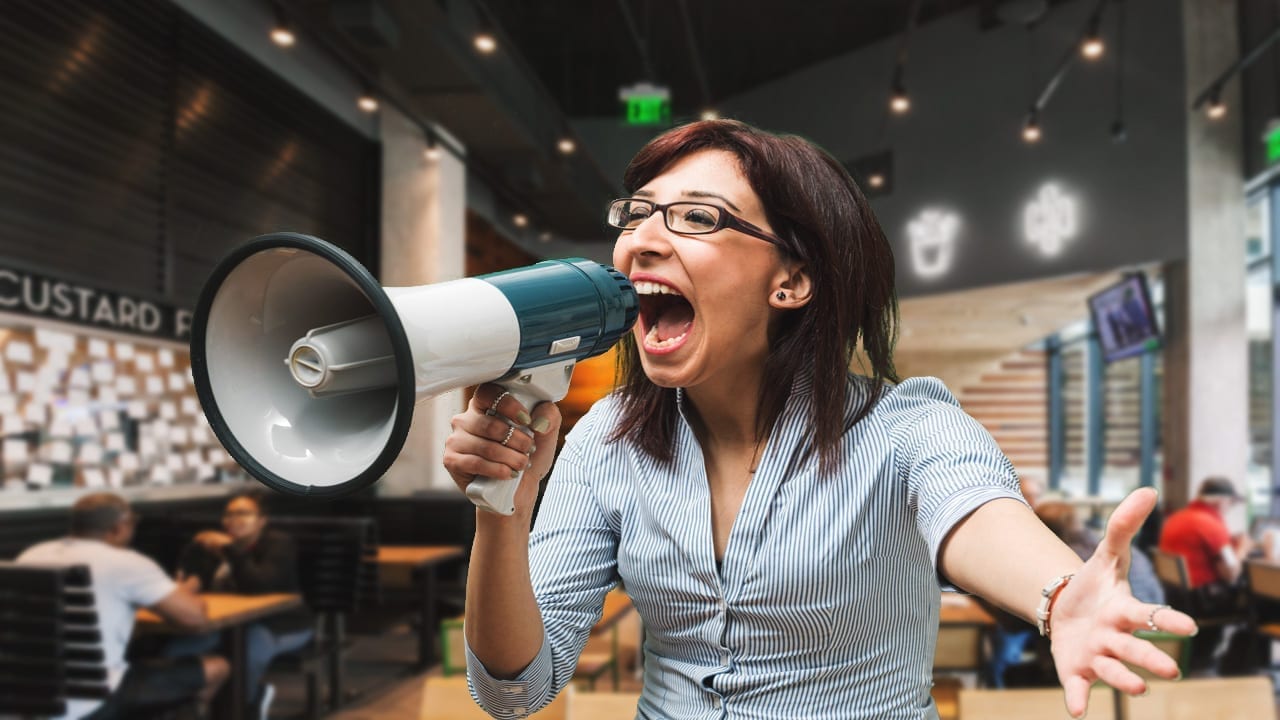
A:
<point x="515" y="698"/>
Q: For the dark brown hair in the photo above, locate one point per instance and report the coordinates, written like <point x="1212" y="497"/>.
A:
<point x="821" y="215"/>
<point x="97" y="514"/>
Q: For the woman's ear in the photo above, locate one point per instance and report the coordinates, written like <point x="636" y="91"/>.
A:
<point x="792" y="288"/>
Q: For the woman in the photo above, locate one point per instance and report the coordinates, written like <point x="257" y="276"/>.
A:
<point x="248" y="557"/>
<point x="781" y="525"/>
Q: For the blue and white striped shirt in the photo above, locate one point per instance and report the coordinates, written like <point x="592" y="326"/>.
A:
<point x="827" y="603"/>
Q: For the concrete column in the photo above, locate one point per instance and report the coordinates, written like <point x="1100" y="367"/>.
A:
<point x="1206" y="356"/>
<point x="423" y="241"/>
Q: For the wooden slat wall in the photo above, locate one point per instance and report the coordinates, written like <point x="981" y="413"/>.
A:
<point x="137" y="147"/>
<point x="1011" y="403"/>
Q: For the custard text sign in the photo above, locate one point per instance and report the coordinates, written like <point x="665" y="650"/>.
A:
<point x="30" y="293"/>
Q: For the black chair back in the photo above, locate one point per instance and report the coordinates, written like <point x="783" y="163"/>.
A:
<point x="337" y="560"/>
<point x="50" y="645"/>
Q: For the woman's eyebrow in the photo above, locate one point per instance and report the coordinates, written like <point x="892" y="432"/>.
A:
<point x="693" y="194"/>
<point x="705" y="194"/>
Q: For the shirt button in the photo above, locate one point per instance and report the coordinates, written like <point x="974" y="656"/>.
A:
<point x="715" y="701"/>
<point x="520" y="712"/>
<point x="511" y="690"/>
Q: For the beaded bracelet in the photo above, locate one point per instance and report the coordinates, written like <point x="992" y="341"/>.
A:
<point x="1047" y="597"/>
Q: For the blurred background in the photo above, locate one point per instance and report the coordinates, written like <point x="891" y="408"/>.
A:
<point x="1079" y="194"/>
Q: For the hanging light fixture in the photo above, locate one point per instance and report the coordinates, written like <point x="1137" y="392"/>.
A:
<point x="367" y="102"/>
<point x="1092" y="47"/>
<point x="566" y="146"/>
<point x="281" y="34"/>
<point x="1215" y="108"/>
<point x="899" y="102"/>
<point x="1031" y="128"/>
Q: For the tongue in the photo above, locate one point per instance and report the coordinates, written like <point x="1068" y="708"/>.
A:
<point x="674" y="320"/>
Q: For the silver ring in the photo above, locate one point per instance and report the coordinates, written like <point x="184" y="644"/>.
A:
<point x="1151" y="617"/>
<point x="493" y="406"/>
<point x="511" y="429"/>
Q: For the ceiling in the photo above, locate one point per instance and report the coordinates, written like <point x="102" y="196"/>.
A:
<point x="959" y="336"/>
<point x="567" y="59"/>
<point x="584" y="50"/>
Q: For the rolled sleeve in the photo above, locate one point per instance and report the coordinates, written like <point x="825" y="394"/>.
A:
<point x="514" y="698"/>
<point x="573" y="565"/>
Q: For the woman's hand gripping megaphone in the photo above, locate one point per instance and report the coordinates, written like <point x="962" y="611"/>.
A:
<point x="499" y="440"/>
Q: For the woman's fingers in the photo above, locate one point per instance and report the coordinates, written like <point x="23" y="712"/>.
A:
<point x="1141" y="653"/>
<point x="496" y="401"/>
<point x="1143" y="615"/>
<point x="1118" y="675"/>
<point x="1124" y="523"/>
<point x="484" y="445"/>
<point x="1076" y="689"/>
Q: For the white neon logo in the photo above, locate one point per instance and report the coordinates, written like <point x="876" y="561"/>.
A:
<point x="932" y="237"/>
<point x="1050" y="220"/>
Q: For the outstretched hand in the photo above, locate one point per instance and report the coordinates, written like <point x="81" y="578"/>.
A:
<point x="1095" y="616"/>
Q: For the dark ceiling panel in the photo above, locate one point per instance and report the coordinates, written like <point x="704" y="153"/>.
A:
<point x="584" y="50"/>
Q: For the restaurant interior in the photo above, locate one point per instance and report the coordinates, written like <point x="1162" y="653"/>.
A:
<point x="1078" y="194"/>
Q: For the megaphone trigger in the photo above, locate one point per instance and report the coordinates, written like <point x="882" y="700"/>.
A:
<point x="549" y="382"/>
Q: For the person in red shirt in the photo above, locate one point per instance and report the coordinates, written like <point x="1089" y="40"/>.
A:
<point x="1215" y="560"/>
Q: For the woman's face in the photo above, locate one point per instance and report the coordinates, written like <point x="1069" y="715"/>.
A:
<point x="242" y="519"/>
<point x="705" y="300"/>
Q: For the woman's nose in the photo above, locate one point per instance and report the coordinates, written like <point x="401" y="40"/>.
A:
<point x="650" y="237"/>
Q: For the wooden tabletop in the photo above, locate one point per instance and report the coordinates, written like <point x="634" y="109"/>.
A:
<point x="417" y="555"/>
<point x="224" y="610"/>
<point x="603" y="705"/>
<point x="960" y="609"/>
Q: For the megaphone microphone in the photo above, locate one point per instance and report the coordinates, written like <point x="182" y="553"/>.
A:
<point x="308" y="370"/>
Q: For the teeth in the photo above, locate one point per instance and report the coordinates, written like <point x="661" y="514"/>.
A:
<point x="644" y="287"/>
<point x="651" y="339"/>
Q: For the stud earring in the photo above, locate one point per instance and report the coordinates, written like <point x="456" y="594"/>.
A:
<point x="781" y="295"/>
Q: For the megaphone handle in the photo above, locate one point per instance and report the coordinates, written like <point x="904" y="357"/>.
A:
<point x="550" y="382"/>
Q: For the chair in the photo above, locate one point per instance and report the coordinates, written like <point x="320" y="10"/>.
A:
<point x="338" y="571"/>
<point x="1203" y="699"/>
<point x="1171" y="570"/>
<point x="50" y="645"/>
<point x="1262" y="579"/>
<point x="448" y="698"/>
<point x="1037" y="703"/>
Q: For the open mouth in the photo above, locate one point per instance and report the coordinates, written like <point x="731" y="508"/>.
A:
<point x="665" y="316"/>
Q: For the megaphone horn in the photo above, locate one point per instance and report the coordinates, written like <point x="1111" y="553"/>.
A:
<point x="308" y="370"/>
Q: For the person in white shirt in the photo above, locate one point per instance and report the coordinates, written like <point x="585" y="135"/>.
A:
<point x="124" y="580"/>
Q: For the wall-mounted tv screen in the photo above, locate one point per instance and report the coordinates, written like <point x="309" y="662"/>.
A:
<point x="1125" y="319"/>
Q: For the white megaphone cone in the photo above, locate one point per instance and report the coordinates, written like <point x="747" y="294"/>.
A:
<point x="308" y="370"/>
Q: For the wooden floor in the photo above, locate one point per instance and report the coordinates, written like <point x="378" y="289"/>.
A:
<point x="379" y="680"/>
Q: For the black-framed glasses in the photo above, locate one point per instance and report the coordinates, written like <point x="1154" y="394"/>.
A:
<point x="683" y="218"/>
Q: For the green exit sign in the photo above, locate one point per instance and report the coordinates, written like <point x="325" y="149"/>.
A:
<point x="648" y="110"/>
<point x="647" y="104"/>
<point x="1272" y="139"/>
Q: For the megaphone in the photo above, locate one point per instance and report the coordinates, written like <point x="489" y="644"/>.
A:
<point x="308" y="370"/>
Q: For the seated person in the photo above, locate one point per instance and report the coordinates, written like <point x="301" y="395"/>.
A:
<point x="248" y="557"/>
<point x="1215" y="561"/>
<point x="124" y="580"/>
